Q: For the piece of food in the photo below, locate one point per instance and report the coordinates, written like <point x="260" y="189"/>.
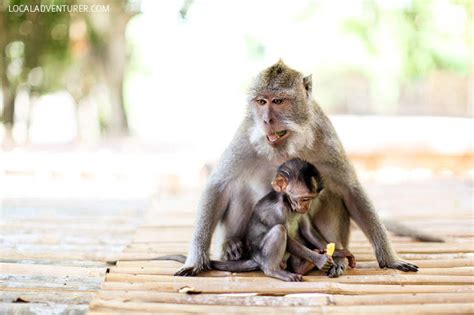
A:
<point x="330" y="248"/>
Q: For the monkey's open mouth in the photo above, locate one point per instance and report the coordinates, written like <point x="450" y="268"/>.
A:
<point x="277" y="136"/>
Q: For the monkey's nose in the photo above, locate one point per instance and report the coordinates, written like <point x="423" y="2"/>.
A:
<point x="268" y="121"/>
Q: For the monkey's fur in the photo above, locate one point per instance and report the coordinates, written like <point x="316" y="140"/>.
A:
<point x="283" y="122"/>
<point x="273" y="227"/>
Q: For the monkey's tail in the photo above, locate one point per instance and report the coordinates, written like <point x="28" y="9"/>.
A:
<point x="403" y="230"/>
<point x="235" y="265"/>
<point x="178" y="258"/>
<point x="228" y="265"/>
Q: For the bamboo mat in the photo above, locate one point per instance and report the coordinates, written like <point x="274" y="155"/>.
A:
<point x="54" y="254"/>
<point x="444" y="284"/>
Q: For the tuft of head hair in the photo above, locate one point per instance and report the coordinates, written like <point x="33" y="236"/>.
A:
<point x="276" y="77"/>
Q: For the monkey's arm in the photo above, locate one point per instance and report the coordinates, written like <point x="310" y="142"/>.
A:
<point x="209" y="212"/>
<point x="299" y="250"/>
<point x="215" y="200"/>
<point x="363" y="213"/>
<point x="311" y="235"/>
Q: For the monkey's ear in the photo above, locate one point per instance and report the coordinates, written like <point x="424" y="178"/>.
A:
<point x="317" y="179"/>
<point x="279" y="183"/>
<point x="319" y="183"/>
<point x="308" y="84"/>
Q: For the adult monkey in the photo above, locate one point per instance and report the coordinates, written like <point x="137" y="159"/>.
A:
<point x="283" y="122"/>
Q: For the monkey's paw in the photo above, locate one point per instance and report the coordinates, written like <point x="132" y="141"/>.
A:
<point x="191" y="270"/>
<point x="294" y="277"/>
<point x="337" y="269"/>
<point x="233" y="249"/>
<point x="400" y="265"/>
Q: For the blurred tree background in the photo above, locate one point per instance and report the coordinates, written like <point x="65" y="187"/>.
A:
<point x="398" y="57"/>
<point x="81" y="53"/>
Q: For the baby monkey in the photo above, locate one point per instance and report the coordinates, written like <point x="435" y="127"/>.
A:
<point x="273" y="227"/>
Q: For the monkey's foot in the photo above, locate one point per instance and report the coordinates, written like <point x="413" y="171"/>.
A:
<point x="337" y="269"/>
<point x="323" y="261"/>
<point x="284" y="275"/>
<point x="190" y="270"/>
<point x="400" y="265"/>
<point x="233" y="249"/>
<point x="345" y="253"/>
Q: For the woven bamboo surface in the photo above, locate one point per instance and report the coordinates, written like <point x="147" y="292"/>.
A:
<point x="69" y="257"/>
<point x="54" y="254"/>
<point x="444" y="284"/>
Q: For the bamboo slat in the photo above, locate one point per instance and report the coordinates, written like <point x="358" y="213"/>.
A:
<point x="48" y="270"/>
<point x="142" y="269"/>
<point x="115" y="306"/>
<point x="309" y="299"/>
<point x="286" y="288"/>
<point x="55" y="296"/>
<point x="366" y="279"/>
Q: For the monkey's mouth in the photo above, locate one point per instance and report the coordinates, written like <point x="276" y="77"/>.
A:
<point x="302" y="210"/>
<point x="277" y="137"/>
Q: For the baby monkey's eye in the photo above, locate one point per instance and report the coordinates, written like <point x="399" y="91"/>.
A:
<point x="261" y="102"/>
<point x="277" y="101"/>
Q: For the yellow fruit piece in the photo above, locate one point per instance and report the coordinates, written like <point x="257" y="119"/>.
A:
<point x="330" y="248"/>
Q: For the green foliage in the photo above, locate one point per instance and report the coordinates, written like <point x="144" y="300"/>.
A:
<point x="45" y="41"/>
<point x="425" y="44"/>
<point x="366" y="26"/>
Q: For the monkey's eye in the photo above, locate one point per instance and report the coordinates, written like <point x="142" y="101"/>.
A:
<point x="261" y="102"/>
<point x="277" y="101"/>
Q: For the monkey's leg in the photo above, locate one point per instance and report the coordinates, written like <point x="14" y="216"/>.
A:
<point x="363" y="213"/>
<point x="235" y="223"/>
<point x="300" y="266"/>
<point x="313" y="239"/>
<point x="272" y="251"/>
<point x="297" y="249"/>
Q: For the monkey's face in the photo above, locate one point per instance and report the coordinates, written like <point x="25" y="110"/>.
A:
<point x="300" y="197"/>
<point x="298" y="179"/>
<point x="280" y="108"/>
<point x="299" y="194"/>
<point x="271" y="111"/>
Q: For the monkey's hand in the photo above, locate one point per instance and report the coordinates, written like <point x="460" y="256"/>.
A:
<point x="398" y="264"/>
<point x="193" y="267"/>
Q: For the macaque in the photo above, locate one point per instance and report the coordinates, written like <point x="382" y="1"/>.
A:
<point x="273" y="227"/>
<point x="283" y="122"/>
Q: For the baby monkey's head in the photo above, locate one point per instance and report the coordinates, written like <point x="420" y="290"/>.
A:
<point x="300" y="181"/>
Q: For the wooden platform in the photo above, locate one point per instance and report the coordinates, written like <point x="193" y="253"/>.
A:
<point x="54" y="254"/>
<point x="69" y="257"/>
<point x="444" y="284"/>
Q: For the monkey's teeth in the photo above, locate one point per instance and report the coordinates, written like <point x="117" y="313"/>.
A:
<point x="273" y="137"/>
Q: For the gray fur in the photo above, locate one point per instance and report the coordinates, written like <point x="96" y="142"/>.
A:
<point x="246" y="168"/>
